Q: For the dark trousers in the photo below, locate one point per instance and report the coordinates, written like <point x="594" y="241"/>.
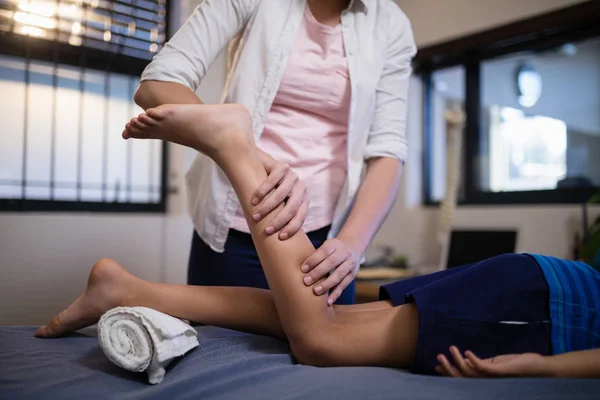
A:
<point x="239" y="264"/>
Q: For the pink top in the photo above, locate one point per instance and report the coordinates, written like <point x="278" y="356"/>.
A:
<point x="307" y="125"/>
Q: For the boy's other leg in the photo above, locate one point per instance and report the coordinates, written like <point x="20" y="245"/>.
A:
<point x="245" y="309"/>
<point x="110" y="285"/>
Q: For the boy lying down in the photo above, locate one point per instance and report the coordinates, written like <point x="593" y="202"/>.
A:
<point x="519" y="315"/>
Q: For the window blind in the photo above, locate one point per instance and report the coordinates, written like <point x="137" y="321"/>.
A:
<point x="135" y="28"/>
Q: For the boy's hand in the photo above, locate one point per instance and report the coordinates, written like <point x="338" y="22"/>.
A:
<point x="509" y="365"/>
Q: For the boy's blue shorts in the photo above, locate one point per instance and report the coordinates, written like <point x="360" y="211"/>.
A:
<point x="496" y="306"/>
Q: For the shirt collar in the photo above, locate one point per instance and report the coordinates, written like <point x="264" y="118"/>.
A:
<point x="360" y="3"/>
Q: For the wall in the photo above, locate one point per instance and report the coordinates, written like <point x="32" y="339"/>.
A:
<point x="411" y="227"/>
<point x="45" y="258"/>
<point x="436" y="21"/>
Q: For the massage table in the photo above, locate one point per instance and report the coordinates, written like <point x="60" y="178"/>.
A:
<point x="233" y="365"/>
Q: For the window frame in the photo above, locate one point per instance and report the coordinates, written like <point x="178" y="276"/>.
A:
<point x="32" y="48"/>
<point x="571" y="24"/>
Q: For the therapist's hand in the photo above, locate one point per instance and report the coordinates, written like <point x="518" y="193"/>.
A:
<point x="338" y="260"/>
<point x="281" y="186"/>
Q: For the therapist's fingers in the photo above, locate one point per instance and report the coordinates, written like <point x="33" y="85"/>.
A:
<point x="318" y="256"/>
<point x="296" y="222"/>
<point x="328" y="265"/>
<point x="320" y="271"/>
<point x="288" y="212"/>
<point x="339" y="289"/>
<point x="274" y="199"/>
<point x="340" y="270"/>
<point x="275" y="174"/>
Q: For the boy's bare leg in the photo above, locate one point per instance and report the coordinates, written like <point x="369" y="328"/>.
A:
<point x="245" y="309"/>
<point x="110" y="285"/>
<point x="318" y="335"/>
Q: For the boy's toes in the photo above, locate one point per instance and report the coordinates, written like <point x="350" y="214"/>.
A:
<point x="136" y="129"/>
<point x="159" y="113"/>
<point x="132" y="132"/>
<point x="147" y="120"/>
<point x="127" y="131"/>
<point x="137" y="123"/>
<point x="128" y="134"/>
<point x="43" y="332"/>
<point x="136" y="133"/>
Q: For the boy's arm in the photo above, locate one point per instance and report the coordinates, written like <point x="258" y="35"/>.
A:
<point x="577" y="364"/>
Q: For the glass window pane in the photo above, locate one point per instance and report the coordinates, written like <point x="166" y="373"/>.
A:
<point x="156" y="169"/>
<point x="133" y="168"/>
<point x="119" y="108"/>
<point x="140" y="168"/>
<point x="39" y="115"/>
<point x="61" y="125"/>
<point x="67" y="130"/>
<point x="447" y="92"/>
<point x="541" y="119"/>
<point x="92" y="135"/>
<point x="12" y="104"/>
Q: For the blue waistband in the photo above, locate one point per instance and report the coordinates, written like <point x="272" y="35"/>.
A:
<point x="574" y="299"/>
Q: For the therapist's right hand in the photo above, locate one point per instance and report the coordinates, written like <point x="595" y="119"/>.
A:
<point x="281" y="186"/>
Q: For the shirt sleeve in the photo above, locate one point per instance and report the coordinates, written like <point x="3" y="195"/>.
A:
<point x="387" y="137"/>
<point x="186" y="58"/>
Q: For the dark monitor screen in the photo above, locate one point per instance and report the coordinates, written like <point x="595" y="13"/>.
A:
<point x="467" y="246"/>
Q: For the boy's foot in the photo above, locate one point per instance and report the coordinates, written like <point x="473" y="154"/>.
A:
<point x="105" y="288"/>
<point x="206" y="128"/>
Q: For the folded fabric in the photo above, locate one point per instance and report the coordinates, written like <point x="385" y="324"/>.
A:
<point x="142" y="339"/>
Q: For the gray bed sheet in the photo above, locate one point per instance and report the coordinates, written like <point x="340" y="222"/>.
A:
<point x="232" y="365"/>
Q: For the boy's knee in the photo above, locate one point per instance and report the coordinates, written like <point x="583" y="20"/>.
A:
<point x="313" y="349"/>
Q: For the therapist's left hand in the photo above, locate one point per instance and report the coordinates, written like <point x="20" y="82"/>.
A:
<point x="282" y="186"/>
<point x="338" y="260"/>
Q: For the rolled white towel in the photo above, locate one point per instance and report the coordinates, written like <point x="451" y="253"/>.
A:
<point x="142" y="339"/>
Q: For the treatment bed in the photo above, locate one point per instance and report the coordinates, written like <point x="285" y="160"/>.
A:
<point x="233" y="365"/>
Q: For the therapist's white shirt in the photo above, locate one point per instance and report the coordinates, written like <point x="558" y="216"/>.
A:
<point x="379" y="48"/>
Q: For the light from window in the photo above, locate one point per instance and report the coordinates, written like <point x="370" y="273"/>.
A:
<point x="131" y="27"/>
<point x="529" y="152"/>
<point x="553" y="144"/>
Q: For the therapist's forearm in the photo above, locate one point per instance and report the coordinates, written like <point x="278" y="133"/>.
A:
<point x="155" y="93"/>
<point x="373" y="202"/>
